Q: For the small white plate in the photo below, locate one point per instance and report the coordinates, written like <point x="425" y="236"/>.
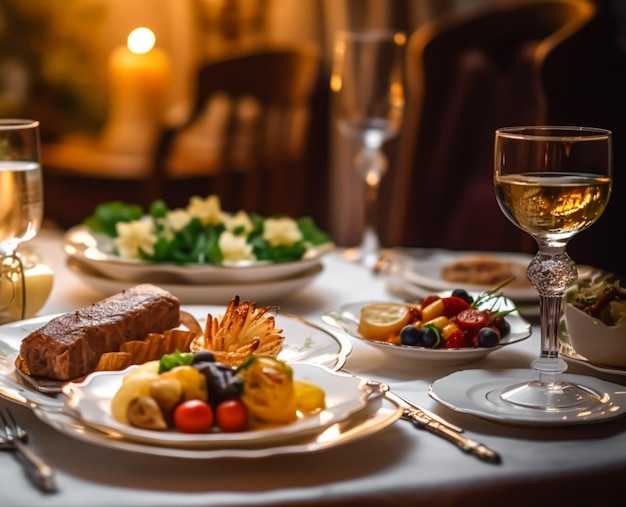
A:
<point x="345" y="395"/>
<point x="379" y="414"/>
<point x="426" y="273"/>
<point x="347" y="317"/>
<point x="476" y="392"/>
<point x="260" y="292"/>
<point x="304" y="342"/>
<point x="97" y="251"/>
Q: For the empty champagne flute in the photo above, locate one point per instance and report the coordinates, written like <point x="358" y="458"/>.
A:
<point x="552" y="182"/>
<point x="367" y="84"/>
<point x="21" y="202"/>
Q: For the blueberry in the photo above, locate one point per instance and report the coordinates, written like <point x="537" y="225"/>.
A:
<point x="410" y="335"/>
<point x="430" y="338"/>
<point x="488" y="337"/>
<point x="463" y="294"/>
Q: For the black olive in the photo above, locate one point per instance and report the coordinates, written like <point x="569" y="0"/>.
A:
<point x="410" y="335"/>
<point x="430" y="338"/>
<point x="501" y="325"/>
<point x="204" y="356"/>
<point x="488" y="337"/>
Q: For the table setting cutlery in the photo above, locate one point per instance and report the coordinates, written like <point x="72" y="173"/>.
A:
<point x="424" y="419"/>
<point x="13" y="437"/>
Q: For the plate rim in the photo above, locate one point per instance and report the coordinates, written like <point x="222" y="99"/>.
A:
<point x="448" y="256"/>
<point x="503" y="377"/>
<point x="95" y="415"/>
<point x="118" y="268"/>
<point x="379" y="415"/>
<point x="343" y="344"/>
<point x="191" y="293"/>
<point x="439" y="356"/>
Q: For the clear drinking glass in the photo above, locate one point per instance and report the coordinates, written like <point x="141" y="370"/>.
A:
<point x="21" y="201"/>
<point x="367" y="84"/>
<point x="552" y="182"/>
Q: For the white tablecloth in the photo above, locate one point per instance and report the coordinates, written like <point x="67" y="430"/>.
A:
<point x="398" y="466"/>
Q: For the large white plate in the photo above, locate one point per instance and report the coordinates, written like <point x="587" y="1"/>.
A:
<point x="260" y="292"/>
<point x="346" y="318"/>
<point x="304" y="342"/>
<point x="345" y="395"/>
<point x="378" y="415"/>
<point x="477" y="392"/>
<point x="426" y="273"/>
<point x="97" y="251"/>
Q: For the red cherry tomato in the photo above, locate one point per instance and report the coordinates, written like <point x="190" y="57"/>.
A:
<point x="193" y="416"/>
<point x="471" y="318"/>
<point x="452" y="305"/>
<point x="456" y="340"/>
<point x="231" y="415"/>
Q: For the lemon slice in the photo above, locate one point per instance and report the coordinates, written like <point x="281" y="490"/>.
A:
<point x="379" y="320"/>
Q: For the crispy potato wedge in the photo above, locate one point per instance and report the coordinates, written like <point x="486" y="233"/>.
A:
<point x="241" y="331"/>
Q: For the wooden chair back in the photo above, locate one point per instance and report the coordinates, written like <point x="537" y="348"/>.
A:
<point x="469" y="74"/>
<point x="247" y="138"/>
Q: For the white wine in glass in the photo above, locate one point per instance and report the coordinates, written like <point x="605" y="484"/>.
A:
<point x="367" y="84"/>
<point x="552" y="182"/>
<point x="21" y="198"/>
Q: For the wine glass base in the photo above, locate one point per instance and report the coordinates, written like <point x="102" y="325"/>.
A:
<point x="551" y="396"/>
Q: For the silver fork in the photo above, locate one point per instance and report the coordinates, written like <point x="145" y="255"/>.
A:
<point x="14" y="437"/>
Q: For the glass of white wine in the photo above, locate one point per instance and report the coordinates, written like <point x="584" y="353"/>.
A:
<point x="552" y="182"/>
<point x="21" y="202"/>
<point x="367" y="85"/>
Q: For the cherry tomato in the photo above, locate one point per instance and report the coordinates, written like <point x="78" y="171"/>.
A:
<point x="471" y="318"/>
<point x="193" y="416"/>
<point x="231" y="415"/>
<point x="456" y="340"/>
<point x="452" y="305"/>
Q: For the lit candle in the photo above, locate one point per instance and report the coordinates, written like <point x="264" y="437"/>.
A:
<point x="139" y="76"/>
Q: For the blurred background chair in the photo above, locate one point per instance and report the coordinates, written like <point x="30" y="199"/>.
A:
<point x="469" y="74"/>
<point x="249" y="136"/>
<point x="248" y="139"/>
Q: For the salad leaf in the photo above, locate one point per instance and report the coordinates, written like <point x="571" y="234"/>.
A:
<point x="108" y="214"/>
<point x="311" y="232"/>
<point x="177" y="358"/>
<point x="185" y="240"/>
<point x="604" y="300"/>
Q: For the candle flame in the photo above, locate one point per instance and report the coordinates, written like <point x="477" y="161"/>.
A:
<point x="141" y="40"/>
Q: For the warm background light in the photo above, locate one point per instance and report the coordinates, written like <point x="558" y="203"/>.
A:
<point x="141" y="40"/>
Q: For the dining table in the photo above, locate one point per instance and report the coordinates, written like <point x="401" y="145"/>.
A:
<point x="401" y="464"/>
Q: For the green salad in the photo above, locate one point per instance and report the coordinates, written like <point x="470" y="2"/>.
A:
<point x="202" y="233"/>
<point x="604" y="300"/>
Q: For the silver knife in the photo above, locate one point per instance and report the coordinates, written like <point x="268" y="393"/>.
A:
<point x="426" y="420"/>
<point x="464" y="443"/>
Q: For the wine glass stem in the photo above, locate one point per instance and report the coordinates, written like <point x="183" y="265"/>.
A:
<point x="551" y="272"/>
<point x="371" y="242"/>
<point x="371" y="164"/>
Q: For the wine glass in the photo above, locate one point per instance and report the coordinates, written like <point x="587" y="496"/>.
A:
<point x="367" y="84"/>
<point x="552" y="182"/>
<point x="21" y="202"/>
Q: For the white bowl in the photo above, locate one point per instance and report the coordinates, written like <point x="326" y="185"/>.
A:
<point x="594" y="340"/>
